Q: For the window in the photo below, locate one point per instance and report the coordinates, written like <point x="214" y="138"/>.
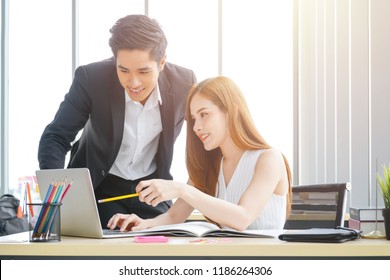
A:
<point x="40" y="72"/>
<point x="248" y="40"/>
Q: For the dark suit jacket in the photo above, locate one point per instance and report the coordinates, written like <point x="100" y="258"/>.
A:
<point x="96" y="104"/>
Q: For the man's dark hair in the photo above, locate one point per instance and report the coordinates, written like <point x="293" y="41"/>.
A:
<point x="138" y="32"/>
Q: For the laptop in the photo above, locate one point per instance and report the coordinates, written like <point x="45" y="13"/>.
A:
<point x="79" y="213"/>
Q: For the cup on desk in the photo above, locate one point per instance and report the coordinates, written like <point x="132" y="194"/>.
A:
<point x="45" y="219"/>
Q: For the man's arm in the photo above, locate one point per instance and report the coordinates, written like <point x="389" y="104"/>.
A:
<point x="70" y="118"/>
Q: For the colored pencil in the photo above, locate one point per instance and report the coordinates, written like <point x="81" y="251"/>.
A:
<point x="53" y="198"/>
<point x="118" y="197"/>
<point x="29" y="199"/>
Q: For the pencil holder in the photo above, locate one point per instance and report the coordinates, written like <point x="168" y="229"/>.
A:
<point x="45" y="218"/>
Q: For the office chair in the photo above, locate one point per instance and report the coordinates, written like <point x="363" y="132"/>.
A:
<point x="318" y="206"/>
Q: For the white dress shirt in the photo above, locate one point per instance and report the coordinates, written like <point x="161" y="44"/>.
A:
<point x="142" y="128"/>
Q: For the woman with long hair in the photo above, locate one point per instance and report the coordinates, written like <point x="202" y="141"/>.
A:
<point x="236" y="179"/>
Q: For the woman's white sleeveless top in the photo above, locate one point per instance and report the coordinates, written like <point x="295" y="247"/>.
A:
<point x="273" y="215"/>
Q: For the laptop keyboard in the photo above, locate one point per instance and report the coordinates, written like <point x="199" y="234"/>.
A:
<point x="113" y="232"/>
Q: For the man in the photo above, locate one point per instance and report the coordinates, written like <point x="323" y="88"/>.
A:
<point x="131" y="109"/>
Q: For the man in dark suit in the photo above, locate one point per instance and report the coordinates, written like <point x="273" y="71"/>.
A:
<point x="130" y="109"/>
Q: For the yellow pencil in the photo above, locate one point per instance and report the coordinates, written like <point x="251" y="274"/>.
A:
<point x="118" y="197"/>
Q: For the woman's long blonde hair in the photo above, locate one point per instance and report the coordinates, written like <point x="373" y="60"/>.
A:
<point x="203" y="165"/>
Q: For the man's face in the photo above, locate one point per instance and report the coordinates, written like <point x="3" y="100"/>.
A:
<point x="138" y="73"/>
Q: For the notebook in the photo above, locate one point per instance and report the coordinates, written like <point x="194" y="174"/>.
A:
<point x="79" y="213"/>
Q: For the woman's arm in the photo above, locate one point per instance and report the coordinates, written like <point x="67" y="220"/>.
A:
<point x="178" y="213"/>
<point x="270" y="177"/>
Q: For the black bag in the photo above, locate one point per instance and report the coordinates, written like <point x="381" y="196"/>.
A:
<point x="322" y="235"/>
<point x="9" y="222"/>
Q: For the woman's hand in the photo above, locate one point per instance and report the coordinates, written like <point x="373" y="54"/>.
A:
<point x="127" y="222"/>
<point x="154" y="191"/>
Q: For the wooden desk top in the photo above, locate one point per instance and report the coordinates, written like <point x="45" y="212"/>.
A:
<point x="191" y="247"/>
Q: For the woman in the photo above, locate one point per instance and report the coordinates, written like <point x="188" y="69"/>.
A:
<point x="235" y="178"/>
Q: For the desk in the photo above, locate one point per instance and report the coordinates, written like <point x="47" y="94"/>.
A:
<point x="186" y="247"/>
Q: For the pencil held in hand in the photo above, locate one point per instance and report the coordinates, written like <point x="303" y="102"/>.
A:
<point x="118" y="197"/>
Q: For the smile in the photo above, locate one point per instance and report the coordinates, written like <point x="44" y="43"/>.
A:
<point x="203" y="137"/>
<point x="136" y="92"/>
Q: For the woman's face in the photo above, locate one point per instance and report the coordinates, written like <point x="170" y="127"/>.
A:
<point x="210" y="123"/>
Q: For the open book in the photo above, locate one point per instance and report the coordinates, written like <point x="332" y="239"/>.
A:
<point x="195" y="229"/>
